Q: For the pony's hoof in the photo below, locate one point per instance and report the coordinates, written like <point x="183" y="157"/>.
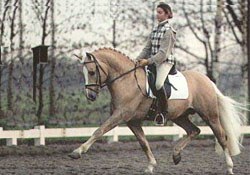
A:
<point x="230" y="171"/>
<point x="149" y="169"/>
<point x="74" y="155"/>
<point x="177" y="158"/>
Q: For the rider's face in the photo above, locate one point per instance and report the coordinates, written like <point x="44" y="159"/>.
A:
<point x="161" y="14"/>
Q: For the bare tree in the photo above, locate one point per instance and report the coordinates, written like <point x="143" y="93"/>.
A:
<point x="43" y="19"/>
<point x="2" y="22"/>
<point x="20" y="67"/>
<point x="11" y="65"/>
<point x="248" y="53"/>
<point x="53" y="62"/>
<point x="128" y="22"/>
<point x="217" y="38"/>
<point x="21" y="42"/>
<point x="203" y="35"/>
<point x="238" y="18"/>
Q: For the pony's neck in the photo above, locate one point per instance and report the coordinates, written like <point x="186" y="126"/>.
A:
<point x="115" y="62"/>
<point x="124" y="89"/>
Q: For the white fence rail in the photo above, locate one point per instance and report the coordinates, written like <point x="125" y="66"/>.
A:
<point x="40" y="133"/>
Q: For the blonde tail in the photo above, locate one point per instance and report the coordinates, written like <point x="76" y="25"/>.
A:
<point x="231" y="120"/>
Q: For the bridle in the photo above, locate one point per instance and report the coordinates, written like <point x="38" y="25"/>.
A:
<point x="98" y="70"/>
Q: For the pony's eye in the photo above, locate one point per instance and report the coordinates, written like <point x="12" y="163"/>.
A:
<point x="91" y="73"/>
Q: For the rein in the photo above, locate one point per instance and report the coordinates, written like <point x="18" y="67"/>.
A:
<point x="120" y="76"/>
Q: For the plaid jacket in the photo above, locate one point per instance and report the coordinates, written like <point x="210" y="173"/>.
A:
<point x="159" y="47"/>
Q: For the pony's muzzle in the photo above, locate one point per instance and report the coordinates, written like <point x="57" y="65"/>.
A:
<point x="91" y="96"/>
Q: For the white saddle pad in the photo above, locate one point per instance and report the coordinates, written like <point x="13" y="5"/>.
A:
<point x="179" y="82"/>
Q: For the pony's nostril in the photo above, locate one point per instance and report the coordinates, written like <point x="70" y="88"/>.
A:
<point x="92" y="96"/>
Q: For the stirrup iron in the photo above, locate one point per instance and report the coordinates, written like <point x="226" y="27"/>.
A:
<point x="163" y="120"/>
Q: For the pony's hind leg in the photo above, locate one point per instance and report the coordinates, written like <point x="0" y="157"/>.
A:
<point x="221" y="138"/>
<point x="191" y="130"/>
<point x="136" y="128"/>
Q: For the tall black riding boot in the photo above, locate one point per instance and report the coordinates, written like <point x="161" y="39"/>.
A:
<point x="160" y="119"/>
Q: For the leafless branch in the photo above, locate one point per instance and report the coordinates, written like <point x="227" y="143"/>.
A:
<point x="44" y="21"/>
<point x="12" y="34"/>
<point x="37" y="10"/>
<point x="236" y="21"/>
<point x="188" y="52"/>
<point x="232" y="28"/>
<point x="3" y="19"/>
<point x="189" y="23"/>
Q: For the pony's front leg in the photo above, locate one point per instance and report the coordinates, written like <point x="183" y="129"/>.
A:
<point x="136" y="128"/>
<point x="112" y="122"/>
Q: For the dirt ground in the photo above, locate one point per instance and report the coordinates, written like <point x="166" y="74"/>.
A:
<point x="119" y="158"/>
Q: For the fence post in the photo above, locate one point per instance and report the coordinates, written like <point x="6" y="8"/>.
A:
<point x="114" y="137"/>
<point x="41" y="140"/>
<point x="115" y="134"/>
<point x="11" y="141"/>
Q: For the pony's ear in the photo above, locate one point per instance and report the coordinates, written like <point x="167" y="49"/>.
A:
<point x="80" y="59"/>
<point x="88" y="55"/>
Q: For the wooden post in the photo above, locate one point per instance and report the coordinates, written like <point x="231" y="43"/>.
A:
<point x="114" y="137"/>
<point x="11" y="141"/>
<point x="41" y="140"/>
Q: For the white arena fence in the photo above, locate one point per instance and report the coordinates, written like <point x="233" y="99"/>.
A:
<point x="40" y="133"/>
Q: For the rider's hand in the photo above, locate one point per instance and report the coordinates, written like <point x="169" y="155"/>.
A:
<point x="143" y="62"/>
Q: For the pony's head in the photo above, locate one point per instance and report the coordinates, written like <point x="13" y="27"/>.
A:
<point x="94" y="75"/>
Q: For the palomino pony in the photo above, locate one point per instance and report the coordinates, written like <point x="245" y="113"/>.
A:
<point x="126" y="84"/>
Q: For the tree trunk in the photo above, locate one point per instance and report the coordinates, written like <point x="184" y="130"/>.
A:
<point x="11" y="65"/>
<point x="53" y="63"/>
<point x="41" y="68"/>
<point x="40" y="100"/>
<point x="243" y="10"/>
<point x="3" y="18"/>
<point x="21" y="46"/>
<point x="248" y="55"/>
<point x="21" y="42"/>
<point x="10" y="85"/>
<point x="217" y="39"/>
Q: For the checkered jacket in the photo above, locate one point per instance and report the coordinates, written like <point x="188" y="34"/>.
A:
<point x="159" y="47"/>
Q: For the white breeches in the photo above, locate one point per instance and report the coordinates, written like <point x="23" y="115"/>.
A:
<point x="162" y="73"/>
